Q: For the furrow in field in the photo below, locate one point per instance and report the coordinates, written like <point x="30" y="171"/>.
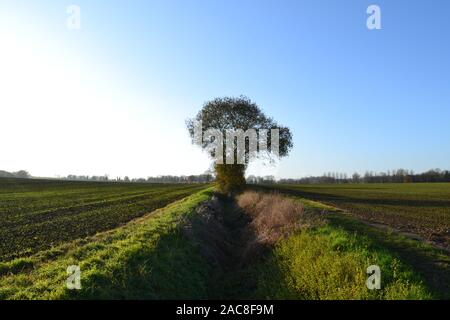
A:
<point x="28" y="232"/>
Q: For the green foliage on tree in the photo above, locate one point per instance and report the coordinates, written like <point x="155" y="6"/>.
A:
<point x="237" y="113"/>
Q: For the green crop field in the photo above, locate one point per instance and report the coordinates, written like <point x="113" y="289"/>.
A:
<point x="167" y="241"/>
<point x="39" y="214"/>
<point x="421" y="208"/>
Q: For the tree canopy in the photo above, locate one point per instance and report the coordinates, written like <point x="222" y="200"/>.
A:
<point x="237" y="113"/>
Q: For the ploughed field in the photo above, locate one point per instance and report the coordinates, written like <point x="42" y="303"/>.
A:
<point x="199" y="244"/>
<point x="38" y="214"/>
<point x="420" y="208"/>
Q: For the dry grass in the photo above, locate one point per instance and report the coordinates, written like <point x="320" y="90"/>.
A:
<point x="273" y="216"/>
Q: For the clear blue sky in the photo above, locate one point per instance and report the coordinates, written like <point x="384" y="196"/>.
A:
<point x="355" y="99"/>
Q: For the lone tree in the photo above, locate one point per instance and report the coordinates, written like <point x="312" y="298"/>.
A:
<point x="230" y="114"/>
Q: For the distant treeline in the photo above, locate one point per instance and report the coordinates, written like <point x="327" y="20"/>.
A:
<point x="394" y="176"/>
<point x="202" y="178"/>
<point x="260" y="180"/>
<point x="19" y="174"/>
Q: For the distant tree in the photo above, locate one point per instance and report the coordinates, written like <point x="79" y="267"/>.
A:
<point x="22" y="174"/>
<point x="447" y="176"/>
<point x="6" y="174"/>
<point x="252" y="179"/>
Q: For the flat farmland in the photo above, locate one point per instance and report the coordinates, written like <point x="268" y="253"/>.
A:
<point x="420" y="208"/>
<point x="38" y="214"/>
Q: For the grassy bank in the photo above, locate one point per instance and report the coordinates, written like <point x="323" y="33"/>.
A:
<point x="330" y="263"/>
<point x="431" y="264"/>
<point x="329" y="260"/>
<point x="147" y="259"/>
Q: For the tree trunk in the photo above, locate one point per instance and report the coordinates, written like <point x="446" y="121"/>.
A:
<point x="230" y="177"/>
